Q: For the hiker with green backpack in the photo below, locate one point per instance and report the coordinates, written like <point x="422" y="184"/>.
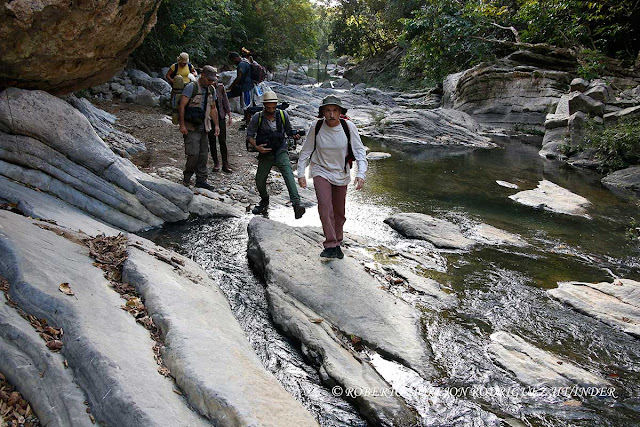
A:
<point x="332" y="144"/>
<point x="266" y="133"/>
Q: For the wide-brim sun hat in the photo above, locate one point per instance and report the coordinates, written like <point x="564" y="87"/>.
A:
<point x="269" y="96"/>
<point x="183" y="57"/>
<point x="332" y="100"/>
<point x="209" y="72"/>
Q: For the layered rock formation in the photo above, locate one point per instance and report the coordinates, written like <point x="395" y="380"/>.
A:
<point x="47" y="145"/>
<point x="40" y="48"/>
<point x="517" y="90"/>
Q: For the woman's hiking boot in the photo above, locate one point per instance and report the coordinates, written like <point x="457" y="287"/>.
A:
<point x="329" y="253"/>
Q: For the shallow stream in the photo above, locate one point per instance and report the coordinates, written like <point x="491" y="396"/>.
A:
<point x="497" y="288"/>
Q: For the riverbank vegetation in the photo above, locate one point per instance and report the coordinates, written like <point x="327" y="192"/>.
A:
<point x="437" y="37"/>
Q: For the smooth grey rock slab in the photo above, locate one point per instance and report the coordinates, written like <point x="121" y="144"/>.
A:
<point x="552" y="197"/>
<point x="56" y="123"/>
<point x="110" y="355"/>
<point x="205" y="347"/>
<point x="340" y="292"/>
<point x="208" y="207"/>
<point x="122" y="143"/>
<point x="624" y="179"/>
<point x="40" y="205"/>
<point x="441" y="233"/>
<point x="536" y="367"/>
<point x="337" y="363"/>
<point x="51" y="146"/>
<point x="616" y="304"/>
<point x="39" y="374"/>
<point x="490" y="235"/>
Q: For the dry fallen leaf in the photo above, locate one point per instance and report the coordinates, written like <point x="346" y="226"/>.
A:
<point x="317" y="320"/>
<point x="572" y="403"/>
<point x="54" y="345"/>
<point x="177" y="392"/>
<point x="626" y="319"/>
<point x="65" y="363"/>
<point x="93" y="420"/>
<point x="65" y="289"/>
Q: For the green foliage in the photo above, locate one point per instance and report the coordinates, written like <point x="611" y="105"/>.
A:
<point x="633" y="231"/>
<point x="446" y="36"/>
<point x="591" y="64"/>
<point x="209" y="29"/>
<point x="616" y="146"/>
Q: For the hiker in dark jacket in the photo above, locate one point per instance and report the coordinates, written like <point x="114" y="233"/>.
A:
<point x="224" y="111"/>
<point x="266" y="132"/>
<point x="331" y="142"/>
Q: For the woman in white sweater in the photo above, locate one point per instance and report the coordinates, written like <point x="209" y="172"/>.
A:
<point x="331" y="145"/>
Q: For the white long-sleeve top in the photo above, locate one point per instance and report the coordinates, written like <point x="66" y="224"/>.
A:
<point x="327" y="160"/>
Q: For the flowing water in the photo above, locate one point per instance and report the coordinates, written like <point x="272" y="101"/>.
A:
<point x="497" y="288"/>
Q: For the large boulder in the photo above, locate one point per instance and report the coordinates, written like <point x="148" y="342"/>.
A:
<point x="63" y="46"/>
<point x="627" y="179"/>
<point x="519" y="89"/>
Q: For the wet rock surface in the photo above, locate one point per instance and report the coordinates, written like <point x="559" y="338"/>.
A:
<point x="111" y="357"/>
<point x="616" y="303"/>
<point x="552" y="197"/>
<point x="535" y="367"/>
<point x="324" y="303"/>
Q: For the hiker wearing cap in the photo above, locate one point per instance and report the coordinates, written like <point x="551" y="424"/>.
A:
<point x="266" y="132"/>
<point x="244" y="83"/>
<point x="331" y="144"/>
<point x="197" y="109"/>
<point x="182" y="67"/>
<point x="224" y="111"/>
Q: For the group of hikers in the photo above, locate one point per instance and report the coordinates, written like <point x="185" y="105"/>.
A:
<point x="331" y="145"/>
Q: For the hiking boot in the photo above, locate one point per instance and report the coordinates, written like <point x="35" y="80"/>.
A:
<point x="329" y="253"/>
<point x="216" y="168"/>
<point x="185" y="183"/>
<point x="298" y="211"/>
<point x="260" y="208"/>
<point x="339" y="253"/>
<point x="204" y="185"/>
<point x="226" y="168"/>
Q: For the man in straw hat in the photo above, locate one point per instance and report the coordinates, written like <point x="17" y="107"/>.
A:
<point x="331" y="145"/>
<point x="266" y="132"/>
<point x="197" y="109"/>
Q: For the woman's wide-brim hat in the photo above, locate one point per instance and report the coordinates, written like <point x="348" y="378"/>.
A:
<point x="183" y="57"/>
<point x="332" y="100"/>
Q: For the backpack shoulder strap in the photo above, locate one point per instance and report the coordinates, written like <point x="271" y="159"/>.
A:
<point x="175" y="70"/>
<point x="345" y="128"/>
<point x="283" y="122"/>
<point x="319" y="124"/>
<point x="191" y="68"/>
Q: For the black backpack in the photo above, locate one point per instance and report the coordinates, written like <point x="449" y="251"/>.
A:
<point x="350" y="157"/>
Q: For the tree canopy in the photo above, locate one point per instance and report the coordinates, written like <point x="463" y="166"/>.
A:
<point x="439" y="36"/>
<point x="209" y="29"/>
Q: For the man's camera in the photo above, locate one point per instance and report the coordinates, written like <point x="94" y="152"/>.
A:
<point x="300" y="132"/>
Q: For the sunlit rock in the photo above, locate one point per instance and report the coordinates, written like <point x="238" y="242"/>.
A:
<point x="552" y="197"/>
<point x="616" y="304"/>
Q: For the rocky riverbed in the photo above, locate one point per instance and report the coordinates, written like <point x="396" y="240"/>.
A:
<point x="133" y="323"/>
